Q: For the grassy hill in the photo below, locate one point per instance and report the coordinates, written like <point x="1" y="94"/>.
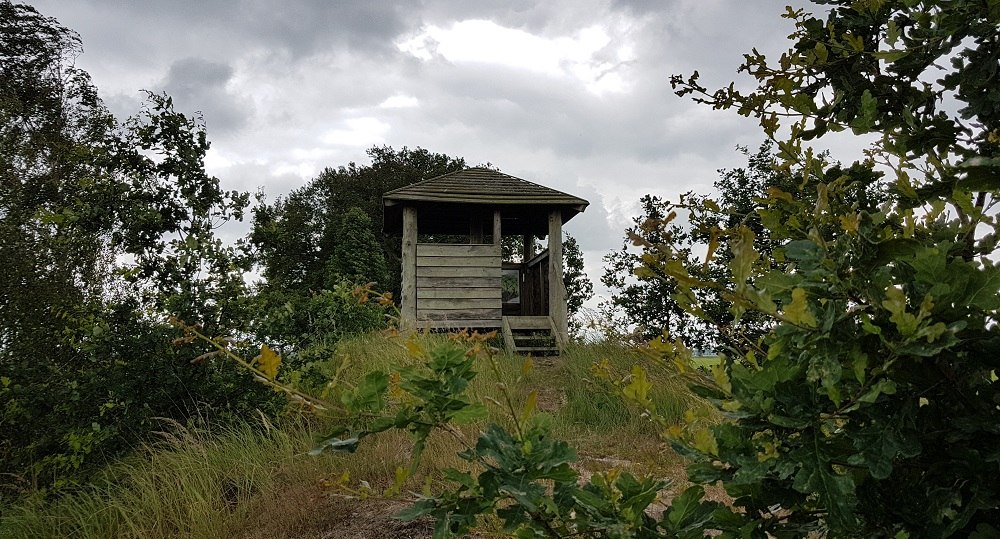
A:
<point x="258" y="480"/>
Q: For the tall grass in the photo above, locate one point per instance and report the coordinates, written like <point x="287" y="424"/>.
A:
<point x="250" y="480"/>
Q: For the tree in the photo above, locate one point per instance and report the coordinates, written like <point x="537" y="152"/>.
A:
<point x="645" y="296"/>
<point x="52" y="125"/>
<point x="357" y="255"/>
<point x="878" y="374"/>
<point x="296" y="236"/>
<point x="579" y="289"/>
<point x="86" y="362"/>
<point x="645" y="300"/>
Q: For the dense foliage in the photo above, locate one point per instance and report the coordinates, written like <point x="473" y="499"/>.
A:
<point x="298" y="236"/>
<point x="644" y="294"/>
<point x="869" y="409"/>
<point x="105" y="227"/>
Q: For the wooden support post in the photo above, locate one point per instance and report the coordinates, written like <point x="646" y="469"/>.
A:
<point x="528" y="250"/>
<point x="476" y="228"/>
<point x="408" y="301"/>
<point x="496" y="228"/>
<point x="557" y="291"/>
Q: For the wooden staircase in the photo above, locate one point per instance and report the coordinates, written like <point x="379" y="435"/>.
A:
<point x="535" y="335"/>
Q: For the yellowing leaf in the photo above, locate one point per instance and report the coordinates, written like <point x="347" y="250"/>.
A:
<point x="601" y="369"/>
<point x="744" y="256"/>
<point x="268" y="362"/>
<point x="643" y="272"/>
<point x="414" y="348"/>
<point x="731" y="405"/>
<point x="778" y="194"/>
<point x="850" y="223"/>
<point x="722" y="378"/>
<point x="895" y="303"/>
<point x="530" y="404"/>
<point x="527" y="366"/>
<point x="797" y="312"/>
<point x="638" y="388"/>
<point x="704" y="441"/>
<point x="713" y="245"/>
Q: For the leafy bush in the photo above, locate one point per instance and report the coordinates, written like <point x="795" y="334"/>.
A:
<point x="869" y="409"/>
<point x="305" y="328"/>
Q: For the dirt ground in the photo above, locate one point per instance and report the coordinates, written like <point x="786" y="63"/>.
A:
<point x="311" y="512"/>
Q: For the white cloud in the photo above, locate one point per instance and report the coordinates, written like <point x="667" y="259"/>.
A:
<point x="400" y="101"/>
<point x="361" y="132"/>
<point x="590" y="55"/>
<point x="215" y="161"/>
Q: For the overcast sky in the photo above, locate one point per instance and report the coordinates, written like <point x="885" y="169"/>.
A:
<point x="571" y="94"/>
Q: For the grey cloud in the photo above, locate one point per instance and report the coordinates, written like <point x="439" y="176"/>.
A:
<point x="641" y="7"/>
<point x="322" y="62"/>
<point x="198" y="84"/>
<point x="147" y="31"/>
<point x="564" y="117"/>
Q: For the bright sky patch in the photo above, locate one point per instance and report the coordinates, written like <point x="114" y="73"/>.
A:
<point x="590" y="55"/>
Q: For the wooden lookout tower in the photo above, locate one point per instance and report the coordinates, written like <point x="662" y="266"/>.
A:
<point x="453" y="271"/>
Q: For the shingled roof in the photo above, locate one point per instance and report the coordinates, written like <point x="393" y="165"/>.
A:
<point x="483" y="186"/>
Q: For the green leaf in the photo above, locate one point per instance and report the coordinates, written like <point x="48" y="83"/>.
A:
<point x="984" y="289"/>
<point x="836" y="491"/>
<point x="892" y="33"/>
<point x="895" y="303"/>
<point x="469" y="413"/>
<point x="892" y="56"/>
<point x="803" y="250"/>
<point x="419" y="509"/>
<point x="336" y="445"/>
<point x="367" y="396"/>
<point x="688" y="511"/>
<point x="868" y="112"/>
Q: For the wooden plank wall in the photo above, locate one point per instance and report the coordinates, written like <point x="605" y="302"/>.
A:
<point x="458" y="283"/>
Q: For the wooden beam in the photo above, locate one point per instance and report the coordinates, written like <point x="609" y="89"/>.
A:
<point x="408" y="301"/>
<point x="458" y="271"/>
<point x="458" y="293"/>
<point x="458" y="324"/>
<point x="528" y="250"/>
<point x="557" y="291"/>
<point x="476" y="228"/>
<point x="496" y="228"/>
<point x="528" y="322"/>
<point x="456" y="249"/>
<point x="458" y="282"/>
<point x="458" y="303"/>
<point x="459" y="314"/>
<point x="458" y="261"/>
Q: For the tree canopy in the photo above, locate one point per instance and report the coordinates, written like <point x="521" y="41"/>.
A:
<point x="104" y="227"/>
<point x="296" y="236"/>
<point x="878" y="374"/>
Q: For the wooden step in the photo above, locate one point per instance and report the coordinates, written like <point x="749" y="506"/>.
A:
<point x="529" y="322"/>
<point x="539" y="350"/>
<point x="530" y="335"/>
